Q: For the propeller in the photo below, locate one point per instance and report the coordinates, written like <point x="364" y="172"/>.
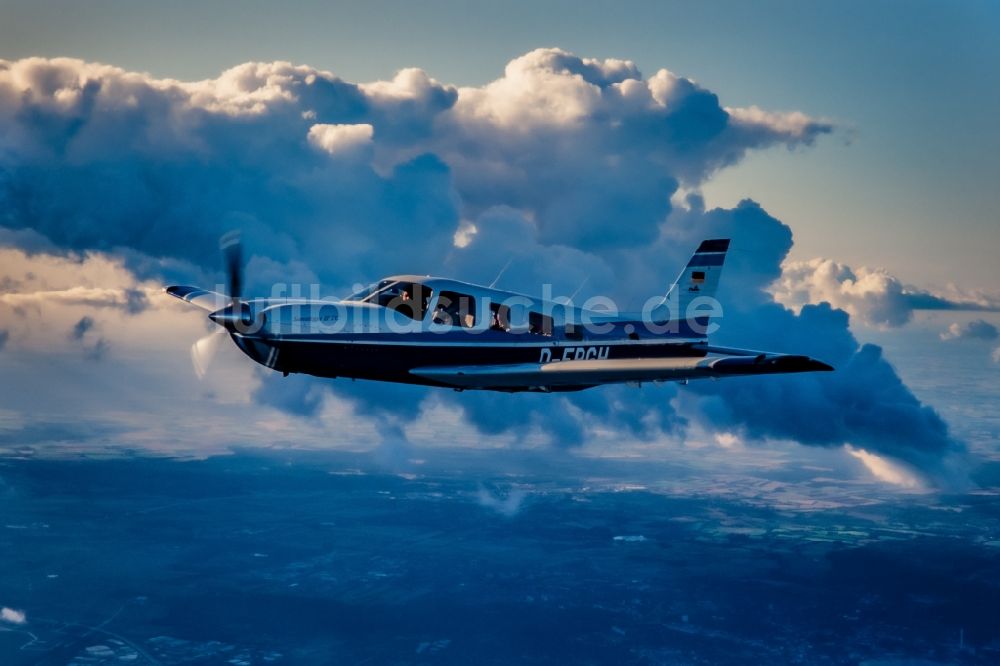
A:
<point x="232" y="256"/>
<point x="235" y="315"/>
<point x="203" y="351"/>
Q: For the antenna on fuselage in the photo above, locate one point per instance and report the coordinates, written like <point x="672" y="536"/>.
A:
<point x="500" y="274"/>
<point x="585" y="280"/>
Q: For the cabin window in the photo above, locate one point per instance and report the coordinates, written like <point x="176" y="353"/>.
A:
<point x="455" y="309"/>
<point x="499" y="317"/>
<point x="539" y="324"/>
<point x="412" y="300"/>
<point x="406" y="298"/>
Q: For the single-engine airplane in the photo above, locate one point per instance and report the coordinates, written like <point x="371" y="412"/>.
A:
<point x="441" y="332"/>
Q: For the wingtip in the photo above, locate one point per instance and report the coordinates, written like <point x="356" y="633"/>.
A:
<point x="180" y="291"/>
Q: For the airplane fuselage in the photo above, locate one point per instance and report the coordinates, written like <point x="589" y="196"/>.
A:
<point x="440" y="332"/>
<point x="395" y="356"/>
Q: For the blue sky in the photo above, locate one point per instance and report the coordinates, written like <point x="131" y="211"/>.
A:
<point x="552" y="136"/>
<point x="907" y="183"/>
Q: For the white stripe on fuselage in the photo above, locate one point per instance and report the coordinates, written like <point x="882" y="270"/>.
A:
<point x="421" y="343"/>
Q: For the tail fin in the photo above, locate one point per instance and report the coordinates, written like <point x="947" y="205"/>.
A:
<point x="699" y="279"/>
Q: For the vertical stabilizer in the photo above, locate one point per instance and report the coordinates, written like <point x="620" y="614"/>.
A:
<point x="696" y="284"/>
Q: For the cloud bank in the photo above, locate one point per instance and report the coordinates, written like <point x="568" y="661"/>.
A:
<point x="95" y="157"/>
<point x="563" y="166"/>
<point x="873" y="296"/>
<point x="978" y="329"/>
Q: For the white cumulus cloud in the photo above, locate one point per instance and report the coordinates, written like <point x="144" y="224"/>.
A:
<point x="564" y="165"/>
<point x="978" y="329"/>
<point x="13" y="616"/>
<point x="871" y="295"/>
<point x="342" y="139"/>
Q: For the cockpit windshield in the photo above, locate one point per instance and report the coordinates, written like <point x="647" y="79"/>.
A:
<point x="408" y="298"/>
<point x="368" y="291"/>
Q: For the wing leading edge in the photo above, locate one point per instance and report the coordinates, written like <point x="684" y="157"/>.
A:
<point x="209" y="301"/>
<point x="594" y="372"/>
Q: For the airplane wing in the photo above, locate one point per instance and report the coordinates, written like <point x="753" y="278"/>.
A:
<point x="204" y="299"/>
<point x="596" y="371"/>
